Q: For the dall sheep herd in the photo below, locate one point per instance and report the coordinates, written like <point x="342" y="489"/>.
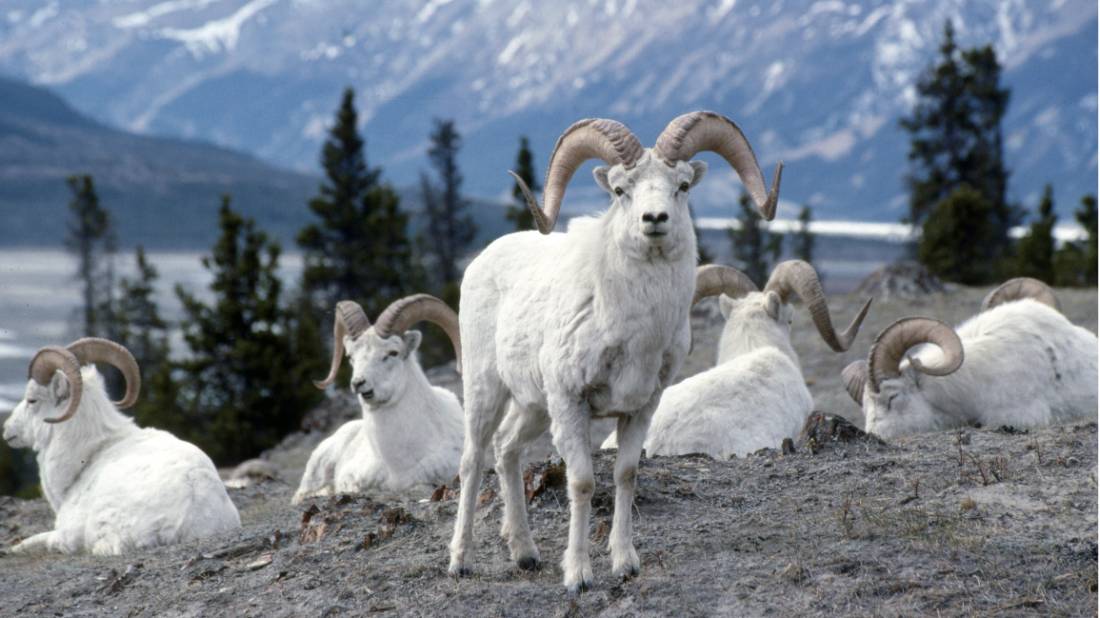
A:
<point x="553" y="331"/>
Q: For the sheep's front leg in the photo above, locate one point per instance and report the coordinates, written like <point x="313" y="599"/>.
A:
<point x="41" y="543"/>
<point x="319" y="476"/>
<point x="570" y="429"/>
<point x="631" y="432"/>
<point x="520" y="426"/>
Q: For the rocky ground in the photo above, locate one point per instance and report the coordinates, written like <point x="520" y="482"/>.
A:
<point x="970" y="522"/>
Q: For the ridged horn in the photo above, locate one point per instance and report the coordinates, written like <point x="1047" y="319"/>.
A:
<point x="855" y="379"/>
<point x="592" y="138"/>
<point x="55" y="358"/>
<point x="695" y="132"/>
<point x="715" y="279"/>
<point x="891" y="345"/>
<point x="403" y="313"/>
<point x="1019" y="288"/>
<point x="799" y="278"/>
<point x="97" y="350"/>
<point x="350" y="321"/>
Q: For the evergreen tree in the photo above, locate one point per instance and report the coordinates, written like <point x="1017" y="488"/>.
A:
<point x="754" y="248"/>
<point x="1035" y="252"/>
<point x="242" y="386"/>
<point x="955" y="138"/>
<point x="804" y="239"/>
<point x="1075" y="262"/>
<point x="450" y="230"/>
<point x="358" y="249"/>
<point x="91" y="239"/>
<point x="955" y="236"/>
<point x="518" y="212"/>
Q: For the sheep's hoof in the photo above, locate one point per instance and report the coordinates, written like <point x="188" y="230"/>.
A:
<point x="459" y="570"/>
<point x="528" y="563"/>
<point x="629" y="571"/>
<point x="578" y="587"/>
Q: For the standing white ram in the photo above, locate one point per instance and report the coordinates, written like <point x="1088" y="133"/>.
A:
<point x="410" y="436"/>
<point x="755" y="396"/>
<point x="114" y="486"/>
<point x="1026" y="365"/>
<point x="589" y="323"/>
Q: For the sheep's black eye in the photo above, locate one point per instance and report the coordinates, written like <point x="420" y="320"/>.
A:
<point x="618" y="190"/>
<point x="391" y="354"/>
<point x="684" y="186"/>
<point x="31" y="402"/>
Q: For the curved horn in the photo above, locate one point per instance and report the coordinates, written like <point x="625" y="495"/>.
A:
<point x="890" y="347"/>
<point x="593" y="138"/>
<point x="855" y="379"/>
<point x="698" y="131"/>
<point x="799" y="278"/>
<point x="54" y="358"/>
<point x="350" y="321"/>
<point x="403" y="313"/>
<point x="1019" y="288"/>
<point x="97" y="350"/>
<point x="715" y="279"/>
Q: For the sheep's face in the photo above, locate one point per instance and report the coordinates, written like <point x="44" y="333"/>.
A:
<point x="25" y="427"/>
<point x="753" y="320"/>
<point x="380" y="367"/>
<point x="899" y="408"/>
<point x="649" y="205"/>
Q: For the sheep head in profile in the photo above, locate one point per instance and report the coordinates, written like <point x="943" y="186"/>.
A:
<point x="889" y="384"/>
<point x="381" y="355"/>
<point x="55" y="388"/>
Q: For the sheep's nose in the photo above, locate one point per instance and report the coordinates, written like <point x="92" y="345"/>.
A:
<point x="368" y="395"/>
<point x="357" y="384"/>
<point x="655" y="217"/>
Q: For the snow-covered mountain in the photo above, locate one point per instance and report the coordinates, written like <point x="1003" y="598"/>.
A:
<point x="819" y="84"/>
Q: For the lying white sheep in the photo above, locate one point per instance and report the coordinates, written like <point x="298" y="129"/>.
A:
<point x="590" y="323"/>
<point x="114" y="486"/>
<point x="410" y="437"/>
<point x="1026" y="366"/>
<point x="755" y="396"/>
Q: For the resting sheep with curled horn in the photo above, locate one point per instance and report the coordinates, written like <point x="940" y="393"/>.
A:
<point x="563" y="328"/>
<point x="114" y="487"/>
<point x="1019" y="363"/>
<point x="410" y="437"/>
<point x="755" y="395"/>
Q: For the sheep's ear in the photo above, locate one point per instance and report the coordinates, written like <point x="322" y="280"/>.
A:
<point x="772" y="304"/>
<point x="600" y="174"/>
<point x="59" y="387"/>
<point x="412" y="341"/>
<point x="725" y="305"/>
<point x="700" y="170"/>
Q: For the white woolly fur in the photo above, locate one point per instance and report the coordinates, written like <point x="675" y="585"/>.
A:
<point x="1025" y="365"/>
<point x="562" y="328"/>
<point x="410" y="437"/>
<point x="114" y="486"/>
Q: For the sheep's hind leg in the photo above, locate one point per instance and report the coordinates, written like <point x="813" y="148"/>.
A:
<point x="520" y="426"/>
<point x="570" y="428"/>
<point x="485" y="397"/>
<point x="631" y="432"/>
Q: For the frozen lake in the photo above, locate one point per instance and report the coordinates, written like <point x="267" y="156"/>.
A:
<point x="39" y="296"/>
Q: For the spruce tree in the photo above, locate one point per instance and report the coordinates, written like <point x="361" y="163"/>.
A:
<point x="241" y="387"/>
<point x="754" y="248"/>
<point x="358" y="248"/>
<point x="1035" y="252"/>
<point x="955" y="236"/>
<point x="518" y="212"/>
<point x="92" y="241"/>
<point x="1075" y="261"/>
<point x="804" y="240"/>
<point x="450" y="230"/>
<point x="955" y="138"/>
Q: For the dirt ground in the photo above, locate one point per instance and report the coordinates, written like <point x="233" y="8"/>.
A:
<point x="970" y="522"/>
